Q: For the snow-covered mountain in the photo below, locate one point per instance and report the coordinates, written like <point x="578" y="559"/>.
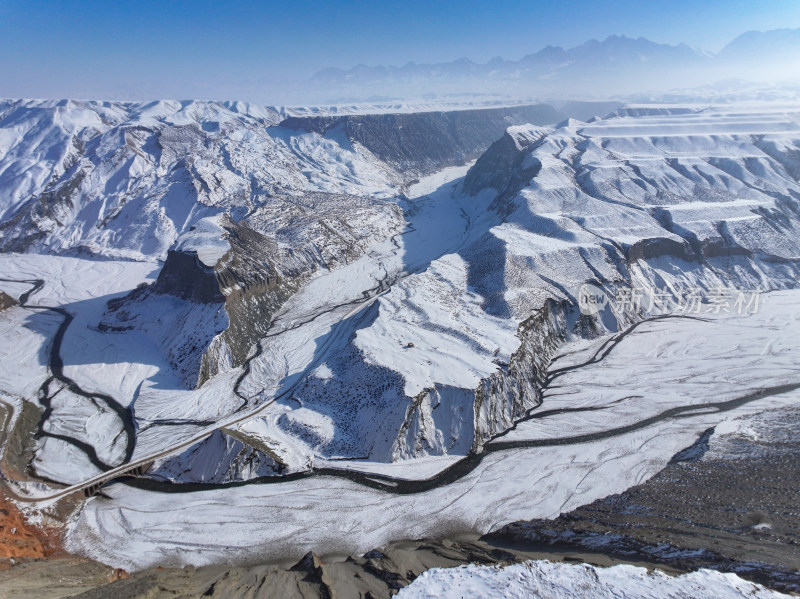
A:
<point x="650" y="197"/>
<point x="615" y="66"/>
<point x="242" y="203"/>
<point x="763" y="47"/>
<point x="126" y="180"/>
<point x="236" y="295"/>
<point x="274" y="231"/>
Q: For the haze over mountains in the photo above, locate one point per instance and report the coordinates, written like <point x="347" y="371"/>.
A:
<point x="618" y="65"/>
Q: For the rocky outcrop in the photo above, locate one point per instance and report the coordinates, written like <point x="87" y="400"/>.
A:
<point x="220" y="458"/>
<point x="207" y="318"/>
<point x="506" y="167"/>
<point x="437" y="422"/>
<point x="181" y="312"/>
<point x="6" y="301"/>
<point x="40" y="216"/>
<point x="647" y="249"/>
<point x="377" y="574"/>
<point x="186" y="277"/>
<point x="255" y="280"/>
<point x="515" y="388"/>
<point x="447" y="420"/>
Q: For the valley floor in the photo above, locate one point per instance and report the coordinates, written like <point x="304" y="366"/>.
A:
<point x="609" y="427"/>
<point x="726" y="503"/>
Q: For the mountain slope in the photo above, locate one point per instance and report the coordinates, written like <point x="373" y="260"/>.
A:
<point x="651" y="199"/>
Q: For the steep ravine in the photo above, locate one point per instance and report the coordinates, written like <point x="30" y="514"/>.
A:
<point x="423" y="143"/>
<point x="232" y="303"/>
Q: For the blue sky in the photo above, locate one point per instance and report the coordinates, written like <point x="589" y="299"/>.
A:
<point x="175" y="48"/>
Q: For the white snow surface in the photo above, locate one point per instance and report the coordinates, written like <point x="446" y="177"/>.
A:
<point x="206" y="239"/>
<point x="126" y="180"/>
<point x="549" y="580"/>
<point x="426" y="310"/>
<point x="138" y="528"/>
<point x="465" y="279"/>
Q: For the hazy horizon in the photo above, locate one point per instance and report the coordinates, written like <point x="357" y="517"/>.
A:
<point x="261" y="51"/>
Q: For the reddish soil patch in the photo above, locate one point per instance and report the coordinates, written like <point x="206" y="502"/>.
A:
<point x="20" y="539"/>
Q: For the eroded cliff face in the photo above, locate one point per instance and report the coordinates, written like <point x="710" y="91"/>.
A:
<point x="310" y="194"/>
<point x="506" y="167"/>
<point x="181" y="312"/>
<point x="205" y="318"/>
<point x="184" y="276"/>
<point x="6" y="301"/>
<point x="421" y="143"/>
<point x="208" y="318"/>
<point x="506" y="396"/>
<point x="599" y="209"/>
<point x="220" y="458"/>
<point x="436" y="422"/>
<point x="255" y="279"/>
<point x="448" y="420"/>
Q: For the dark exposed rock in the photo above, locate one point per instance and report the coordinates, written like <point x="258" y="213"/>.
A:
<point x="247" y="282"/>
<point x="733" y="511"/>
<point x="507" y="395"/>
<point x="6" y="301"/>
<point x="221" y="457"/>
<point x="31" y="221"/>
<point x="255" y="286"/>
<point x="504" y="168"/>
<point x="425" y="142"/>
<point x="378" y="574"/>
<point x="647" y="249"/>
<point x="186" y="277"/>
<point x="695" y="451"/>
<point x="310" y="562"/>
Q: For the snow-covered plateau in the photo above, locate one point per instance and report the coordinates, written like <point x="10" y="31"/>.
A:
<point x="318" y="331"/>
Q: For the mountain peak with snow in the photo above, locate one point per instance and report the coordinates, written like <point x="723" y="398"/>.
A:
<point x="598" y="69"/>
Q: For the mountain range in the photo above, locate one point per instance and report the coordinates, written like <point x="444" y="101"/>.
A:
<point x="616" y="65"/>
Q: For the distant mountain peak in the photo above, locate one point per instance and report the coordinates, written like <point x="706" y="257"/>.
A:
<point x="619" y="64"/>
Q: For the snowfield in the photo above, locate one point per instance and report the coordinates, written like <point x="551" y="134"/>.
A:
<point x="577" y="581"/>
<point x="307" y="346"/>
<point x="137" y="528"/>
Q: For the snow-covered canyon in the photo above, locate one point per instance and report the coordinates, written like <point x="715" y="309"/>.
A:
<point x="312" y="335"/>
